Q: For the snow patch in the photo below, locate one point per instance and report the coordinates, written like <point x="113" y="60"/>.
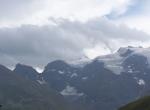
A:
<point x="70" y="91"/>
<point x="112" y="62"/>
<point x="42" y="81"/>
<point x="141" y="82"/>
<point x="130" y="71"/>
<point x="61" y="72"/>
<point x="39" y="70"/>
<point x="129" y="67"/>
<point x="74" y="75"/>
<point x="84" y="78"/>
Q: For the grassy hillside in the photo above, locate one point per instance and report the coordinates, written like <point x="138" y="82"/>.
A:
<point x="142" y="104"/>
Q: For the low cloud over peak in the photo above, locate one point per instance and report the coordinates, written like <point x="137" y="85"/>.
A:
<point x="67" y="40"/>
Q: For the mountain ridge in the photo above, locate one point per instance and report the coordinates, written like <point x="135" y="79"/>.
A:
<point x="19" y="93"/>
<point x="101" y="83"/>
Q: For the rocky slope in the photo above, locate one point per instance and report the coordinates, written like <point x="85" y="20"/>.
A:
<point x="105" y="83"/>
<point x="19" y="93"/>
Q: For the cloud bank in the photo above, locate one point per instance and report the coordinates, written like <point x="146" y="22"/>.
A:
<point x="17" y="12"/>
<point x="64" y="39"/>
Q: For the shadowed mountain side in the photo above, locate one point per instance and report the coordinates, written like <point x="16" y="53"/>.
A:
<point x="18" y="93"/>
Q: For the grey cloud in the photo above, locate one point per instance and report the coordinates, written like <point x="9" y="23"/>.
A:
<point x="37" y="45"/>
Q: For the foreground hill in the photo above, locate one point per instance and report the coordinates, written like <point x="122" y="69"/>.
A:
<point x="18" y="93"/>
<point x="142" y="104"/>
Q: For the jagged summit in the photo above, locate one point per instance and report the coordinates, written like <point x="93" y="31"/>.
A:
<point x="27" y="71"/>
<point x="125" y="51"/>
<point x="22" y="65"/>
<point x="58" y="64"/>
<point x="19" y="93"/>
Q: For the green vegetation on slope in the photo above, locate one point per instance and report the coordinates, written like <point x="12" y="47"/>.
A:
<point x="142" y="104"/>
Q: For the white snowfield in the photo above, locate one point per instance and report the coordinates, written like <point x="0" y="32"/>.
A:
<point x="70" y="91"/>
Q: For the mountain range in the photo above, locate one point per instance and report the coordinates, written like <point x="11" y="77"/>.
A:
<point x="104" y="83"/>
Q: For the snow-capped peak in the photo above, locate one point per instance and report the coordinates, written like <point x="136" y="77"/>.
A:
<point x="124" y="51"/>
<point x="114" y="61"/>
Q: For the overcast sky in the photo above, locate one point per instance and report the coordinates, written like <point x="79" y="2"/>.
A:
<point x="36" y="32"/>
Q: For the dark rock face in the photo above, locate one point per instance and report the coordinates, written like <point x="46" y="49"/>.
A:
<point x="57" y="74"/>
<point x="26" y="71"/>
<point x="100" y="87"/>
<point x="136" y="63"/>
<point x="19" y="93"/>
<point x="125" y="52"/>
